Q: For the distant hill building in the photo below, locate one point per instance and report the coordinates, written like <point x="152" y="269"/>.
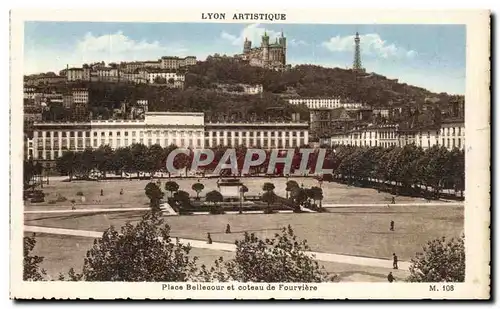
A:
<point x="268" y="55"/>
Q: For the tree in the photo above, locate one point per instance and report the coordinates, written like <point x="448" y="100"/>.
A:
<point x="66" y="164"/>
<point x="299" y="195"/>
<point x="317" y="195"/>
<point x="139" y="158"/>
<point x="283" y="258"/>
<point x="442" y="260"/>
<point x="198" y="187"/>
<point x="155" y="159"/>
<point x="103" y="157"/>
<point x="290" y="186"/>
<point x="181" y="198"/>
<point x="269" y="197"/>
<point x="154" y="193"/>
<point x="28" y="172"/>
<point x="32" y="270"/>
<point x="214" y="196"/>
<point x="243" y="190"/>
<point x="142" y="252"/>
<point x="171" y="186"/>
<point x="268" y="187"/>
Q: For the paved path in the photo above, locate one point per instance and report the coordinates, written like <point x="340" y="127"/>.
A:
<point x="393" y="205"/>
<point x="87" y="210"/>
<point x="220" y="246"/>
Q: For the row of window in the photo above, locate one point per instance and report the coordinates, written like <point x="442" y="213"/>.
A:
<point x="451" y="131"/>
<point x="174" y="133"/>
<point x="51" y="154"/>
<point x="83" y="143"/>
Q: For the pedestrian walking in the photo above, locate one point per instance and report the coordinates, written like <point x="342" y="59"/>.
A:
<point x="392" y="226"/>
<point x="121" y="191"/>
<point x="228" y="229"/>
<point x="393" y="200"/>
<point x="102" y="192"/>
<point x="394" y="261"/>
<point x="390" y="277"/>
<point x="209" y="238"/>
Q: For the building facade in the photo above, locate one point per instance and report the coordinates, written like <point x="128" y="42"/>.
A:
<point x="170" y="62"/>
<point x="268" y="55"/>
<point x="326" y="103"/>
<point x="185" y="130"/>
<point x="452" y="134"/>
<point x="80" y="96"/>
<point x="266" y="135"/>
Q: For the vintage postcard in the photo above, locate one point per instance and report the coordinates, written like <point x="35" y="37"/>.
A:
<point x="225" y="154"/>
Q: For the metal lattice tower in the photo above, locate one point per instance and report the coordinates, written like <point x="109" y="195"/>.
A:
<point x="357" y="54"/>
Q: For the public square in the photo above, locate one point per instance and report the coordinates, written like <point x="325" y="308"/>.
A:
<point x="356" y="224"/>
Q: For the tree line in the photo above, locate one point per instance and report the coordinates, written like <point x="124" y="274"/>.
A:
<point x="408" y="169"/>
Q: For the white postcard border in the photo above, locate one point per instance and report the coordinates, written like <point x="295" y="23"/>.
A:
<point x="477" y="136"/>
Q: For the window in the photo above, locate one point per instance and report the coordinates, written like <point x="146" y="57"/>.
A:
<point x="71" y="134"/>
<point x="118" y="133"/>
<point x="95" y="134"/>
<point x="133" y="134"/>
<point x="110" y="133"/>
<point x="103" y="134"/>
<point x="87" y="134"/>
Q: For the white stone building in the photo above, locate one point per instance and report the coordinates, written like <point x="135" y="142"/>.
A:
<point x="80" y="96"/>
<point x="265" y="135"/>
<point x="185" y="130"/>
<point x="452" y="134"/>
<point x="315" y="103"/>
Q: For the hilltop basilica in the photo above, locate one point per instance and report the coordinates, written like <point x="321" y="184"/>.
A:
<point x="268" y="55"/>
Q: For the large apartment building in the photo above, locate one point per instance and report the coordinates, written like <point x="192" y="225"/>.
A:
<point x="326" y="103"/>
<point x="450" y="134"/>
<point x="185" y="130"/>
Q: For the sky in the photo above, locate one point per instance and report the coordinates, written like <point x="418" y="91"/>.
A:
<point x="428" y="56"/>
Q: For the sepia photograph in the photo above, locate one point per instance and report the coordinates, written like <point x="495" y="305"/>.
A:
<point x="232" y="153"/>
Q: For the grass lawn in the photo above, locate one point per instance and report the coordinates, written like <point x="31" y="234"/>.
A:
<point x="62" y="252"/>
<point x="361" y="231"/>
<point x="133" y="192"/>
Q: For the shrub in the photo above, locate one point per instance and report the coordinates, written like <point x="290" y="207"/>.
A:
<point x="79" y="193"/>
<point x="52" y="201"/>
<point x="137" y="253"/>
<point x="283" y="258"/>
<point x="442" y="260"/>
<point x="61" y="198"/>
<point x="31" y="263"/>
<point x="216" y="210"/>
<point x="269" y="210"/>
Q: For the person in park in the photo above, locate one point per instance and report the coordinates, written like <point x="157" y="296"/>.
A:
<point x="390" y="277"/>
<point x="392" y="226"/>
<point x="394" y="261"/>
<point x="209" y="238"/>
<point x="393" y="200"/>
<point x="121" y="191"/>
<point x="228" y="229"/>
<point x="102" y="192"/>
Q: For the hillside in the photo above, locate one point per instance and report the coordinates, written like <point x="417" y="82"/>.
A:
<point x="310" y="81"/>
<point x="200" y="93"/>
